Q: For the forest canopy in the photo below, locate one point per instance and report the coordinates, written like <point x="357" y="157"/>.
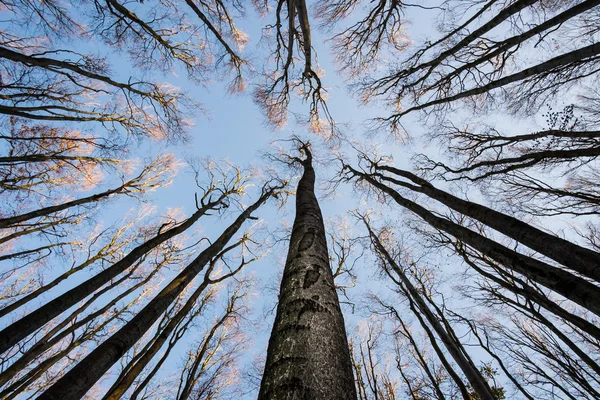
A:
<point x="343" y="199"/>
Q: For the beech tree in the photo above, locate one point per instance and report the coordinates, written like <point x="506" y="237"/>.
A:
<point x="36" y="319"/>
<point x="420" y="307"/>
<point x="81" y="377"/>
<point x="308" y="333"/>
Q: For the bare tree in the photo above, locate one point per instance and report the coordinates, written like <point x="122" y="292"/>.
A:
<point x="308" y="350"/>
<point x="81" y="378"/>
<point x="445" y="333"/>
<point x="473" y="57"/>
<point x="562" y="282"/>
<point x="210" y="365"/>
<point x="175" y="323"/>
<point x="293" y="43"/>
<point x="221" y="190"/>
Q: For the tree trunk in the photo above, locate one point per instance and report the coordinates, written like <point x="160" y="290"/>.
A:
<point x="75" y="383"/>
<point x="5" y="222"/>
<point x="562" y="282"/>
<point x="577" y="258"/>
<point x="126" y="379"/>
<point x="452" y="345"/>
<point x="308" y="355"/>
<point x="20" y="329"/>
<point x="552" y="66"/>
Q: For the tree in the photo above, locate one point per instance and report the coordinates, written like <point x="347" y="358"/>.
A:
<point x="80" y="378"/>
<point x="471" y="59"/>
<point x="420" y="307"/>
<point x="308" y="333"/>
<point x="562" y="282"/>
<point x="36" y="319"/>
<point x="176" y="322"/>
<point x="89" y="308"/>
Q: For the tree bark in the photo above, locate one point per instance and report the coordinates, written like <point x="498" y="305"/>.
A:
<point x="20" y="329"/>
<point x="308" y="355"/>
<point x="577" y="258"/>
<point x="75" y="383"/>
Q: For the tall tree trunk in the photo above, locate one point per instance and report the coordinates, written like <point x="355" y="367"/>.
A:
<point x="54" y="336"/>
<point x="20" y="329"/>
<point x="529" y="292"/>
<point x="308" y="355"/>
<point x="577" y="258"/>
<point x="562" y="282"/>
<point x="6" y="222"/>
<point x="75" y="383"/>
<point x="452" y="345"/>
<point x="554" y="66"/>
<point x="137" y="365"/>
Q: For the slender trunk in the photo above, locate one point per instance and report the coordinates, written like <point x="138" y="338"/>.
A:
<point x="193" y="376"/>
<point x="20" y="329"/>
<point x="534" y="295"/>
<point x="498" y="359"/>
<point x="39" y="228"/>
<point x="33" y="251"/>
<point x="505" y="45"/>
<point x="514" y="8"/>
<point x="308" y="354"/>
<point x="477" y="381"/>
<point x="35" y="158"/>
<point x="421" y="358"/>
<point x="125" y="381"/>
<point x="43" y="289"/>
<point x="562" y="282"/>
<point x="53" y="337"/>
<point x="5" y="222"/>
<point x="534" y="314"/>
<point x="577" y="258"/>
<point x="527" y="160"/>
<point x="436" y="347"/>
<point x="75" y="383"/>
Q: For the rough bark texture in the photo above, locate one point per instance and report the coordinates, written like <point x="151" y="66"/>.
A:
<point x="308" y="355"/>
<point x="75" y="383"/>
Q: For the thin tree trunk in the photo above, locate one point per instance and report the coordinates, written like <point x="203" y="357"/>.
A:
<point x="5" y="222"/>
<point x="488" y="26"/>
<point x="577" y="258"/>
<point x="53" y="337"/>
<point x="43" y="289"/>
<point x="126" y="380"/>
<point x="20" y="329"/>
<point x="308" y="354"/>
<point x="477" y="381"/>
<point x="576" y="56"/>
<point x="33" y="251"/>
<point x="562" y="282"/>
<point x="534" y="295"/>
<point x="506" y="44"/>
<point x="75" y="383"/>
<point x="420" y="357"/>
<point x="498" y="359"/>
